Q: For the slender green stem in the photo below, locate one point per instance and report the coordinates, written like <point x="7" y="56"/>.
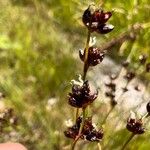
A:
<point x="80" y="130"/>
<point x="99" y="146"/>
<point x="145" y="116"/>
<point x="86" y="55"/>
<point x="127" y="142"/>
<point x="85" y="68"/>
<point x="75" y="141"/>
<point x="76" y="114"/>
<point x="104" y="121"/>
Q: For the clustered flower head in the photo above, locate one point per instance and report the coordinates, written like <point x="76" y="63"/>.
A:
<point x="81" y="95"/>
<point x="95" y="56"/>
<point x="95" y="20"/>
<point x="89" y="132"/>
<point x="135" y="126"/>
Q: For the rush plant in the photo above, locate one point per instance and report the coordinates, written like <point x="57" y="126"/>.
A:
<point x="82" y="95"/>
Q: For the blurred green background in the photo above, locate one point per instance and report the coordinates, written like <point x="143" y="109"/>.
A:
<point x="39" y="43"/>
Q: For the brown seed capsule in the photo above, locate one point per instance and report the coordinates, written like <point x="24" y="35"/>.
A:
<point x="89" y="132"/>
<point x="81" y="96"/>
<point x="101" y="17"/>
<point x="104" y="28"/>
<point x="95" y="56"/>
<point x="95" y="136"/>
<point x="135" y="126"/>
<point x="95" y="19"/>
<point x="72" y="132"/>
<point x="86" y="18"/>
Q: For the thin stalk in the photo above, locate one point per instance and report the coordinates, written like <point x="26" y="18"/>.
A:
<point x="145" y="116"/>
<point x="128" y="59"/>
<point x="80" y="130"/>
<point x="127" y="142"/>
<point x="99" y="146"/>
<point x="104" y="121"/>
<point x="85" y="69"/>
<point x="76" y="114"/>
<point x="86" y="55"/>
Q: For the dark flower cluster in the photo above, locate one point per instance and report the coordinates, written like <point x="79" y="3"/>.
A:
<point x="81" y="96"/>
<point x="95" y="56"/>
<point x="135" y="126"/>
<point x="89" y="132"/>
<point x="95" y="20"/>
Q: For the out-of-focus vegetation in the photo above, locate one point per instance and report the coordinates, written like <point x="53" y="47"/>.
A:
<point x="39" y="40"/>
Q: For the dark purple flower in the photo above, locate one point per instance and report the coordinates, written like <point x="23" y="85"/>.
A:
<point x="95" y="56"/>
<point x="81" y="96"/>
<point x="135" y="126"/>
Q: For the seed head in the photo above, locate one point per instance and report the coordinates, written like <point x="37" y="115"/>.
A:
<point x="135" y="126"/>
<point x="104" y="28"/>
<point x="95" y="20"/>
<point x="72" y="132"/>
<point x="95" y="56"/>
<point x="81" y="95"/>
<point x="89" y="132"/>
